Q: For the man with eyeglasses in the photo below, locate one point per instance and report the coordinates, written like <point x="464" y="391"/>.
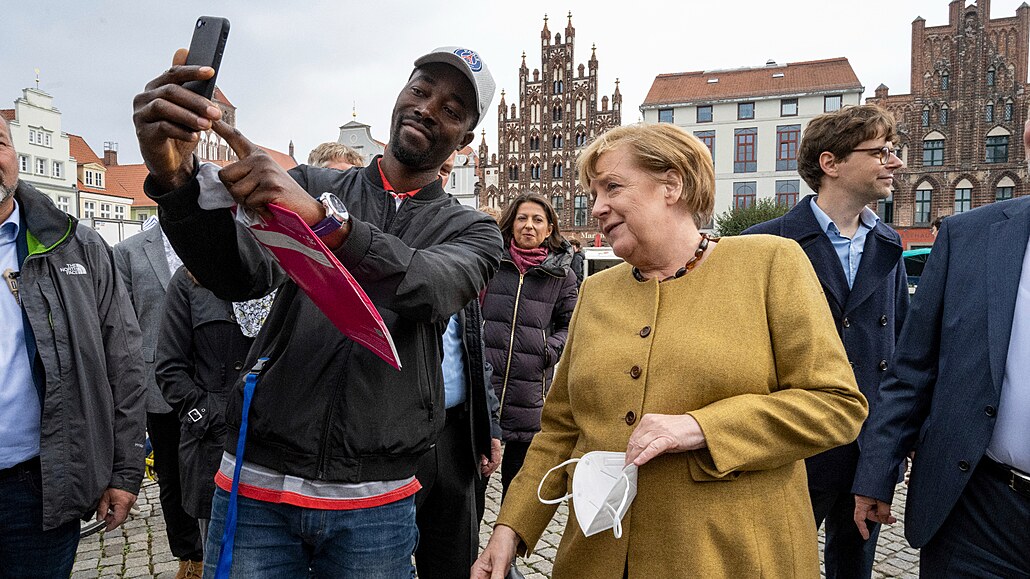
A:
<point x="847" y="158"/>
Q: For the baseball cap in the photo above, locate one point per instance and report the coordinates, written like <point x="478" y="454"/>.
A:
<point x="468" y="62"/>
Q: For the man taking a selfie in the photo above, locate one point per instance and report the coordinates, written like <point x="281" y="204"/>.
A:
<point x="334" y="433"/>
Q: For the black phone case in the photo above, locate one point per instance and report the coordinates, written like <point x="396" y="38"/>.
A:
<point x="206" y="48"/>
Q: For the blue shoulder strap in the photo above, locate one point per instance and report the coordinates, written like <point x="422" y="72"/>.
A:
<point x="229" y="534"/>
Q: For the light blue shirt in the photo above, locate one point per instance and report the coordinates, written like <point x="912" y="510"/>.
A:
<point x="1010" y="443"/>
<point x="455" y="387"/>
<point x="19" y="401"/>
<point x="849" y="251"/>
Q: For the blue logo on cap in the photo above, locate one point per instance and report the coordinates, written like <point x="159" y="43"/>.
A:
<point x="471" y="58"/>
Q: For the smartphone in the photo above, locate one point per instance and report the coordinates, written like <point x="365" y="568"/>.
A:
<point x="206" y="48"/>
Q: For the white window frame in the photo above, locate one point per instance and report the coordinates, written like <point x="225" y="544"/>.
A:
<point x="105" y="210"/>
<point x="57" y="169"/>
<point x="41" y="166"/>
<point x="24" y="163"/>
<point x="89" y="209"/>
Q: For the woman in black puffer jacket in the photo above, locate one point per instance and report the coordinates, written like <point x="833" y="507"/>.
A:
<point x="526" y="310"/>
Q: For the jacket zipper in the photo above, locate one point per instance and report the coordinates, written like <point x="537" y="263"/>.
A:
<point x="322" y="453"/>
<point x="427" y="401"/>
<point x="511" y="345"/>
<point x="543" y="376"/>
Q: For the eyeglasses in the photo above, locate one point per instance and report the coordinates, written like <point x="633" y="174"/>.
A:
<point x="885" y="153"/>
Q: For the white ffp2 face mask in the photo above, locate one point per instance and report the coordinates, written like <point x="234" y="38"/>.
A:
<point x="602" y="489"/>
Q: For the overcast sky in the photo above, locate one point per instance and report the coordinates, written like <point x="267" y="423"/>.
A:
<point x="296" y="73"/>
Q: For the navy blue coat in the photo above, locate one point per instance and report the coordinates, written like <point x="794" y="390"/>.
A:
<point x="941" y="394"/>
<point x="868" y="317"/>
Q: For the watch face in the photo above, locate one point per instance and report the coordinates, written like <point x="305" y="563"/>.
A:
<point x="333" y="202"/>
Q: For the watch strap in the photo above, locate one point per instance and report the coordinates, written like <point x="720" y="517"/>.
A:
<point x="326" y="226"/>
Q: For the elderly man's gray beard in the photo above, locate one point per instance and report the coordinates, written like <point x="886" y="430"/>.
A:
<point x="7" y="192"/>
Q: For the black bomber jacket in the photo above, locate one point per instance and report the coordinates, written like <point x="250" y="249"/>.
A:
<point x="326" y="408"/>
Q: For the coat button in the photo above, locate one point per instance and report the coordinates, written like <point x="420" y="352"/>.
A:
<point x="883" y="320"/>
<point x="645" y="331"/>
<point x="846" y="323"/>
<point x="963" y="465"/>
<point x="883" y="364"/>
<point x="990" y="411"/>
<point x="237" y="366"/>
<point x="634" y="372"/>
<point x="631" y="417"/>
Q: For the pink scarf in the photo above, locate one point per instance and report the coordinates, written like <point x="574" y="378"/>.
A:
<point x="527" y="258"/>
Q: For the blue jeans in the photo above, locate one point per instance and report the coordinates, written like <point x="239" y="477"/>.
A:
<point x="277" y="540"/>
<point x="26" y="550"/>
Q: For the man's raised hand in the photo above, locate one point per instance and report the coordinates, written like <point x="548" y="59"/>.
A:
<point x="168" y="120"/>
<point x="255" y="180"/>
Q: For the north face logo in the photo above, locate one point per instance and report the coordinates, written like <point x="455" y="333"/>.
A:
<point x="74" y="269"/>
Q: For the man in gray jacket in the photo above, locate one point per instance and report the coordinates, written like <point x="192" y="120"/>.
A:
<point x="146" y="263"/>
<point x="71" y="402"/>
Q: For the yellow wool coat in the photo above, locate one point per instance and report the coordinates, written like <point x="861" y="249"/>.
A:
<point x="745" y="344"/>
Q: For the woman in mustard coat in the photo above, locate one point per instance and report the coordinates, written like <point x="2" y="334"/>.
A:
<point x="714" y="365"/>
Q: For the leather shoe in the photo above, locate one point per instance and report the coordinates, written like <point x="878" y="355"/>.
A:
<point x="190" y="570"/>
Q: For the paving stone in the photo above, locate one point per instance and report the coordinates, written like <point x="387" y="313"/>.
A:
<point x="145" y="539"/>
<point x="84" y="563"/>
<point x="166" y="566"/>
<point x="138" y="572"/>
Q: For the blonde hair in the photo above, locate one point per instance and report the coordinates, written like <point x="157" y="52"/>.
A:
<point x="326" y="153"/>
<point x="492" y="212"/>
<point x="657" y="149"/>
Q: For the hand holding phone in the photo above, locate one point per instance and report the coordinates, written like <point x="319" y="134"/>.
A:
<point x="206" y="48"/>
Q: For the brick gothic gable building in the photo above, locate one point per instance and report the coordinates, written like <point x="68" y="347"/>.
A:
<point x="961" y="128"/>
<point x="538" y="140"/>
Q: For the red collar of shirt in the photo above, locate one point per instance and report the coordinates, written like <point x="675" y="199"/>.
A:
<point x="389" y="188"/>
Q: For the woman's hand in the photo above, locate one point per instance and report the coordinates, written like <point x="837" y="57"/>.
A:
<point x="495" y="560"/>
<point x="661" y="433"/>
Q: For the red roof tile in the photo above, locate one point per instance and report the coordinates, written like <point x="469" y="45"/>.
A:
<point x="798" y="77"/>
<point x="84" y="154"/>
<point x="7" y="114"/>
<point x="282" y="159"/>
<point x="81" y="150"/>
<point x="129" y="179"/>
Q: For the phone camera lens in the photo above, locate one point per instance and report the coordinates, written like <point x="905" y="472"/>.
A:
<point x="200" y="23"/>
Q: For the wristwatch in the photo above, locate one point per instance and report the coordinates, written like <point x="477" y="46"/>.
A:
<point x="336" y="215"/>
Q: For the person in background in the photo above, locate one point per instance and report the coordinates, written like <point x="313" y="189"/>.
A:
<point x="446" y="169"/>
<point x="527" y="308"/>
<point x="935" y="227"/>
<point x="203" y="343"/>
<point x="146" y="262"/>
<point x="72" y="414"/>
<point x="454" y="473"/>
<point x="847" y="157"/>
<point x="577" y="259"/>
<point x="493" y="212"/>
<point x="333" y="155"/>
<point x="715" y="367"/>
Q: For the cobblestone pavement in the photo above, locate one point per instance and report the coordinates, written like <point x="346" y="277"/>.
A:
<point x="139" y="548"/>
